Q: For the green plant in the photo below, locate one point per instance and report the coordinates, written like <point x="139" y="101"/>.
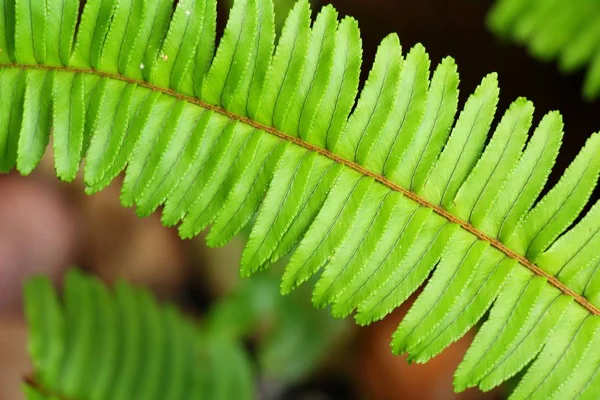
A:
<point x="377" y="195"/>
<point x="100" y="344"/>
<point x="567" y="30"/>
<point x="95" y="343"/>
<point x="284" y="328"/>
<point x="281" y="9"/>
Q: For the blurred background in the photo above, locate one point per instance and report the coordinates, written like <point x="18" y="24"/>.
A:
<point x="299" y="352"/>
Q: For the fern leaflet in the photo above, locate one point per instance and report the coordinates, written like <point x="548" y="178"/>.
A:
<point x="566" y="30"/>
<point x="95" y="343"/>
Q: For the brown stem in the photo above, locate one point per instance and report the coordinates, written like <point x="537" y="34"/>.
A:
<point x="350" y="164"/>
<point x="30" y="380"/>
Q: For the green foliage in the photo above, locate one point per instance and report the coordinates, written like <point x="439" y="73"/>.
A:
<point x="101" y="343"/>
<point x="284" y="328"/>
<point x="282" y="8"/>
<point x="381" y="196"/>
<point x="95" y="343"/>
<point x="566" y="30"/>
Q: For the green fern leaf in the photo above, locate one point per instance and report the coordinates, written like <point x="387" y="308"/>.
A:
<point x="380" y="196"/>
<point x="566" y="30"/>
<point x="95" y="343"/>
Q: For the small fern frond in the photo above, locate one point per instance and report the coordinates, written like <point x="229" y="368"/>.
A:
<point x="566" y="30"/>
<point x="381" y="196"/>
<point x="96" y="343"/>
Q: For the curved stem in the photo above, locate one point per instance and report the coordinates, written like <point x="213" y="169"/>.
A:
<point x="350" y="164"/>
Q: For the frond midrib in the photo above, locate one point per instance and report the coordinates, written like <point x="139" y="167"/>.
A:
<point x="35" y="384"/>
<point x="553" y="280"/>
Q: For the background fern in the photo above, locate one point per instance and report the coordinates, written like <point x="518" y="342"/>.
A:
<point x="566" y="30"/>
<point x="95" y="342"/>
<point x="376" y="194"/>
<point x="120" y="344"/>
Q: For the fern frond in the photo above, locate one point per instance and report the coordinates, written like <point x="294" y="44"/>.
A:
<point x="95" y="343"/>
<point x="566" y="30"/>
<point x="379" y="195"/>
